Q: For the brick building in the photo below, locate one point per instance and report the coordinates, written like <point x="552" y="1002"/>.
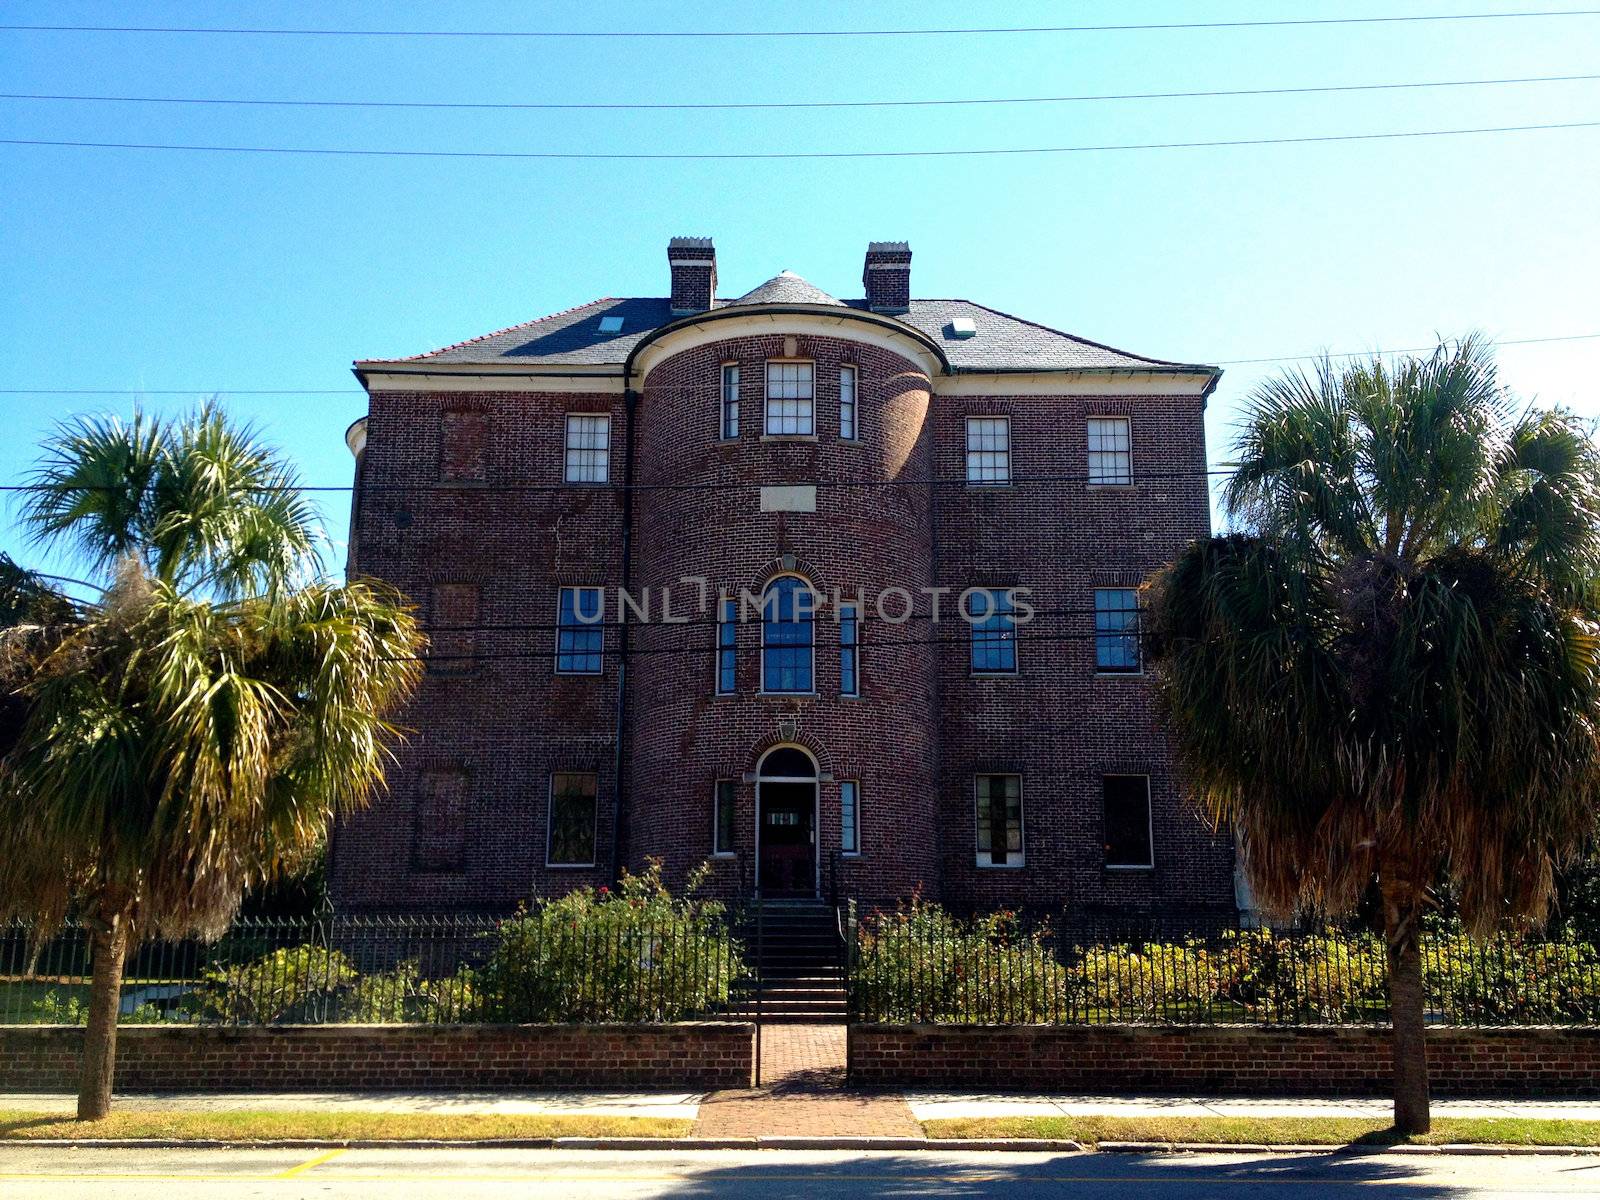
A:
<point x="780" y="478"/>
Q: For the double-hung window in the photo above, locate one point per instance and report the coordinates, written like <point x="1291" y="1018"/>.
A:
<point x="849" y="649"/>
<point x="730" y="400"/>
<point x="1126" y="800"/>
<point x="988" y="450"/>
<point x="727" y="648"/>
<point x="571" y="832"/>
<point x="994" y="633"/>
<point x="580" y="631"/>
<point x="588" y="448"/>
<point x="1116" y="631"/>
<point x="790" y="390"/>
<point x="847" y="403"/>
<point x="999" y="799"/>
<point x="787" y="611"/>
<point x="849" y="817"/>
<point x="1110" y="450"/>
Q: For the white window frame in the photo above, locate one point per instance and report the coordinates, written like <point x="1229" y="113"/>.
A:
<point x="718" y="851"/>
<point x="852" y="406"/>
<point x="1022" y="825"/>
<point x="850" y="611"/>
<point x="1137" y="635"/>
<point x="854" y="824"/>
<point x="1149" y="818"/>
<point x="975" y="638"/>
<point x="1003" y="419"/>
<point x="811" y="670"/>
<point x="810" y="400"/>
<point x="728" y="411"/>
<point x="1088" y="459"/>
<point x="550" y="817"/>
<point x="568" y="449"/>
<point x="599" y="625"/>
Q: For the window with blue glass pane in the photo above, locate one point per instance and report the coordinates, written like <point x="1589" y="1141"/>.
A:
<point x="786" y="635"/>
<point x="580" y="640"/>
<point x="849" y="680"/>
<point x="994" y="633"/>
<point x="727" y="649"/>
<point x="1116" y="630"/>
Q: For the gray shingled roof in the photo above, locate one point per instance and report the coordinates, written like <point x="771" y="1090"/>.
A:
<point x="787" y="288"/>
<point x="1002" y="343"/>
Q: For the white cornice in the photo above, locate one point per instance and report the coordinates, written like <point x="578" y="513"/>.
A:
<point x="1131" y="382"/>
<point x="488" y="379"/>
<point x="851" y="324"/>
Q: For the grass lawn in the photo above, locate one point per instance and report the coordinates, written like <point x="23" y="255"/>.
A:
<point x="244" y="1125"/>
<point x="1283" y="1131"/>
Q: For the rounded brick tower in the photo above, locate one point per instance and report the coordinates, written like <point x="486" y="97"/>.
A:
<point x="783" y="452"/>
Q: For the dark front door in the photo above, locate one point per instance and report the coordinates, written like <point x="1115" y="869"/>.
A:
<point x="788" y="839"/>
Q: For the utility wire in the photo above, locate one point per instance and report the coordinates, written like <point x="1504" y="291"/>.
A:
<point x="790" y="155"/>
<point x="614" y="34"/>
<point x="434" y="487"/>
<point x="709" y="389"/>
<point x="712" y="389"/>
<point x="792" y="104"/>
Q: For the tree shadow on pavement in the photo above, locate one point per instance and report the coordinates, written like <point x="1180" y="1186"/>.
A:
<point x="1078" y="1176"/>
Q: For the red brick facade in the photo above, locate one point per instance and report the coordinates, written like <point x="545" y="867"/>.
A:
<point x="461" y="503"/>
<point x="1246" y="1060"/>
<point x="296" y="1057"/>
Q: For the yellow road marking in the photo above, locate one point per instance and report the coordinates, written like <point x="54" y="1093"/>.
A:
<point x="310" y="1163"/>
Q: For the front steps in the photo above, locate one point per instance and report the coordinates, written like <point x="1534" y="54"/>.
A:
<point x="799" y="959"/>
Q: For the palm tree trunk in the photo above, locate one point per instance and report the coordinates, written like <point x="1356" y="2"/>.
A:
<point x="1402" y="940"/>
<point x="109" y="952"/>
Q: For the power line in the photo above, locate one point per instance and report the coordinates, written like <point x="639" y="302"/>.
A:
<point x="791" y="155"/>
<point x="433" y="487"/>
<point x="607" y="34"/>
<point x="792" y="104"/>
<point x="713" y="389"/>
<point x="1236" y="362"/>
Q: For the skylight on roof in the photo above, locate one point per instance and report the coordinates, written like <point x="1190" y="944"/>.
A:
<point x="963" y="327"/>
<point x="610" y="324"/>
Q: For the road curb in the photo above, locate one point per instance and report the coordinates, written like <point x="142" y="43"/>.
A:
<point x="777" y="1142"/>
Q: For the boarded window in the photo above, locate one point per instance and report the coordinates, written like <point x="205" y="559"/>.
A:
<point x="439" y="824"/>
<point x="1127" y="821"/>
<point x="464" y="446"/>
<point x="453" y="629"/>
<point x="999" y="820"/>
<point x="572" y="820"/>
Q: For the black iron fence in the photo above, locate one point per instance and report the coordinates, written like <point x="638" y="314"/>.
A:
<point x="610" y="963"/>
<point x="921" y="965"/>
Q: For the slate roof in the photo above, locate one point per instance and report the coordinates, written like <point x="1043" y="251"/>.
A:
<point x="1002" y="343"/>
<point x="787" y="288"/>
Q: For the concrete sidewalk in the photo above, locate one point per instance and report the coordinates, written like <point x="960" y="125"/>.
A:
<point x="681" y="1106"/>
<point x="933" y="1106"/>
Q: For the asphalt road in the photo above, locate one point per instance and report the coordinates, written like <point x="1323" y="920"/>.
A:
<point x="62" y="1174"/>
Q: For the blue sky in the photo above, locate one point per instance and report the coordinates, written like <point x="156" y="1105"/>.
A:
<point x="210" y="272"/>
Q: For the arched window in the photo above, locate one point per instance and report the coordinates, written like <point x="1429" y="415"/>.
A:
<point x="787" y="762"/>
<point x="786" y="635"/>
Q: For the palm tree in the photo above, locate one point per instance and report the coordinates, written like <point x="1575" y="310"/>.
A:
<point x="192" y="734"/>
<point x="1389" y="677"/>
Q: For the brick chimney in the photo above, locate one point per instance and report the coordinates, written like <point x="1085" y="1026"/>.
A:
<point x="694" y="273"/>
<point x="887" y="277"/>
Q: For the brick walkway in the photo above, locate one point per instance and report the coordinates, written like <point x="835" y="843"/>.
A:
<point x="803" y="1094"/>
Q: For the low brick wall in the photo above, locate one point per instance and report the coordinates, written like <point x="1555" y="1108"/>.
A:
<point x="1221" y="1060"/>
<point x="691" y="1055"/>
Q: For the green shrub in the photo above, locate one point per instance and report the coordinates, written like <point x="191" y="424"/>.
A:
<point x="1511" y="980"/>
<point x="1154" y="981"/>
<point x="294" y="984"/>
<point x="54" y="1009"/>
<point x="920" y="964"/>
<point x="637" y="954"/>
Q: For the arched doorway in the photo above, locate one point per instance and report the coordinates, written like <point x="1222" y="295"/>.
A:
<point x="786" y="823"/>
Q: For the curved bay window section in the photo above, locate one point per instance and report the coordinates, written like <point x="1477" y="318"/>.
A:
<point x="788" y="608"/>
